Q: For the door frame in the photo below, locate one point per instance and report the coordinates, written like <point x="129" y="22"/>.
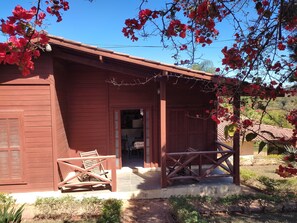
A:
<point x="115" y="114"/>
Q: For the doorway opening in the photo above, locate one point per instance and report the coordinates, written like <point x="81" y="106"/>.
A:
<point x="132" y="135"/>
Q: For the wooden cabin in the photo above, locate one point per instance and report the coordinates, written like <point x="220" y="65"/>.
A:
<point x="81" y="98"/>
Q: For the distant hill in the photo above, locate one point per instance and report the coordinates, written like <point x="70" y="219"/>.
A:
<point x="276" y="111"/>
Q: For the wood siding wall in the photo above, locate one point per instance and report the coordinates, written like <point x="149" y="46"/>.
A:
<point x="31" y="96"/>
<point x="60" y="95"/>
<point x="87" y="111"/>
<point x="184" y="129"/>
<point x="91" y="103"/>
<point x="34" y="102"/>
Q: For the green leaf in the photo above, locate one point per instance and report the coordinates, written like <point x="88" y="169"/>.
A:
<point x="261" y="146"/>
<point x="249" y="137"/>
<point x="230" y="130"/>
<point x="226" y="131"/>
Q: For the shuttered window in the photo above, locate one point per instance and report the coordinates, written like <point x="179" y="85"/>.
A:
<point x="11" y="170"/>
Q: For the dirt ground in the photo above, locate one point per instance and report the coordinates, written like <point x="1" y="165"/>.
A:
<point x="146" y="211"/>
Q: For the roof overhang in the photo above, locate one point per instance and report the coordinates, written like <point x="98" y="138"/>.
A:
<point x="103" y="54"/>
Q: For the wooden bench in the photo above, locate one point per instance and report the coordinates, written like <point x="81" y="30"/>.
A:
<point x="87" y="174"/>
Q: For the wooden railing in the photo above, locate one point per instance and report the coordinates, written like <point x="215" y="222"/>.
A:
<point x="85" y="177"/>
<point x="197" y="165"/>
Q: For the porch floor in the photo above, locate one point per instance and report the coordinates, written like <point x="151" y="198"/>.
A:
<point x="141" y="183"/>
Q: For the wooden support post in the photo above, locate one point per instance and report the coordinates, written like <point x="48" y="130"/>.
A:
<point x="163" y="132"/>
<point x="236" y="140"/>
<point x="113" y="175"/>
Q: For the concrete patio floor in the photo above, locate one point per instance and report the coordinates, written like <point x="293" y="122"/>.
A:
<point x="141" y="183"/>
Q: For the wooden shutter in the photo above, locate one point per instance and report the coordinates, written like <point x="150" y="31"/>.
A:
<point x="10" y="150"/>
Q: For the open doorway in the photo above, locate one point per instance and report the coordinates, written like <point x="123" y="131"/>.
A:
<point x="132" y="135"/>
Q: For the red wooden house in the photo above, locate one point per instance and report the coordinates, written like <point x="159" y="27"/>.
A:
<point x="69" y="104"/>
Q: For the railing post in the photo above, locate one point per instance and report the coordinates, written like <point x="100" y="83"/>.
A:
<point x="236" y="140"/>
<point x="163" y="131"/>
<point x="113" y="175"/>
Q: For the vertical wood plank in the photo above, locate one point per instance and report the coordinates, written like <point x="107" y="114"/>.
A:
<point x="113" y="175"/>
<point x="163" y="131"/>
<point x="53" y="98"/>
<point x="236" y="140"/>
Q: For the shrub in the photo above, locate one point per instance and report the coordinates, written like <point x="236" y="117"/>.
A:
<point x="8" y="212"/>
<point x="91" y="206"/>
<point x="5" y="198"/>
<point x="111" y="211"/>
<point x="184" y="211"/>
<point x="65" y="208"/>
<point x="270" y="184"/>
<point x="50" y="207"/>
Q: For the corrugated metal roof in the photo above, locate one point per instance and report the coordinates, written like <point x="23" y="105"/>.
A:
<point x="78" y="46"/>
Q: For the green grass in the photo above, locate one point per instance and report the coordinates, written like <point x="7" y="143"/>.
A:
<point x="269" y="184"/>
<point x="247" y="175"/>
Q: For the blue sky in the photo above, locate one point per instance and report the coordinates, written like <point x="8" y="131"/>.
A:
<point x="100" y="23"/>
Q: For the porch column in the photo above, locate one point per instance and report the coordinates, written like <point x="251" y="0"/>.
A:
<point x="236" y="140"/>
<point x="163" y="131"/>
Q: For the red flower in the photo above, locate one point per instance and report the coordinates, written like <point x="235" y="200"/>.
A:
<point x="265" y="3"/>
<point x="145" y="13"/>
<point x="20" y="13"/>
<point x="246" y="123"/>
<point x="215" y="118"/>
<point x="281" y="46"/>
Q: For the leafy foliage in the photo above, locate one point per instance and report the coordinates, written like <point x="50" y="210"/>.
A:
<point x="184" y="210"/>
<point x="290" y="160"/>
<point x="275" y="113"/>
<point x="250" y="136"/>
<point x="51" y="207"/>
<point x="204" y="65"/>
<point x="88" y="208"/>
<point x="261" y="146"/>
<point x="8" y="212"/>
<point x="111" y="211"/>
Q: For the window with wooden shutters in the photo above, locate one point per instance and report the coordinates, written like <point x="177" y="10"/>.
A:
<point x="11" y="170"/>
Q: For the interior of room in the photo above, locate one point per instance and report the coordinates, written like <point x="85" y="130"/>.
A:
<point x="132" y="133"/>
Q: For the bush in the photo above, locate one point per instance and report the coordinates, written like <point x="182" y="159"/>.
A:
<point x="65" y="208"/>
<point x="270" y="184"/>
<point x="111" y="211"/>
<point x="91" y="207"/>
<point x="50" y="207"/>
<point x="183" y="210"/>
<point x="8" y="212"/>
